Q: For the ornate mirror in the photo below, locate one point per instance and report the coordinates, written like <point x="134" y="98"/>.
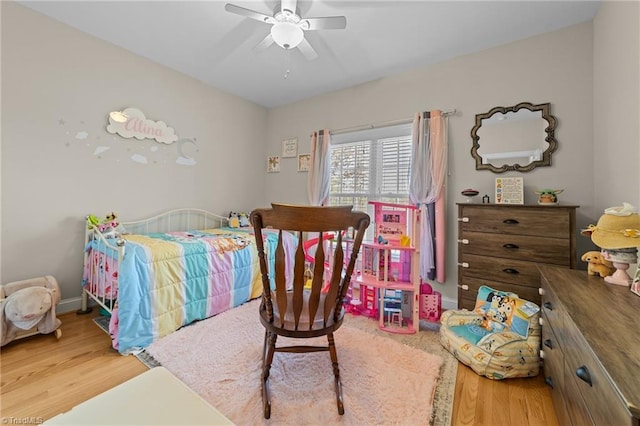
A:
<point x="519" y="137"/>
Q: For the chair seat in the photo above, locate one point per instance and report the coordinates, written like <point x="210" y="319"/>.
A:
<point x="303" y="324"/>
<point x="497" y="354"/>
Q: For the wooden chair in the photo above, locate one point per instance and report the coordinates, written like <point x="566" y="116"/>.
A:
<point x="293" y="311"/>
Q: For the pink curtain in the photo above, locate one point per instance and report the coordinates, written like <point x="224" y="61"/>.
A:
<point x="319" y="171"/>
<point x="427" y="186"/>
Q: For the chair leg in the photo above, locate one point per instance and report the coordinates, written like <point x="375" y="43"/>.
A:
<point x="267" y="358"/>
<point x="336" y="372"/>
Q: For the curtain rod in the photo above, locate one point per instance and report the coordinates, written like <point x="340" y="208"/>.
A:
<point x="383" y="124"/>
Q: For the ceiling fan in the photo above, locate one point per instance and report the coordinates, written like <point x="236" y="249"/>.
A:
<point x="287" y="27"/>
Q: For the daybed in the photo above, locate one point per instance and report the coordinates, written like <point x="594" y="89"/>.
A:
<point x="168" y="271"/>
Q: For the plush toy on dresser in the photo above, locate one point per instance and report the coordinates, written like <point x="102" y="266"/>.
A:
<point x="29" y="307"/>
<point x="597" y="264"/>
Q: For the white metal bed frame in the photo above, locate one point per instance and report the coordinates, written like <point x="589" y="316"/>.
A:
<point x="186" y="219"/>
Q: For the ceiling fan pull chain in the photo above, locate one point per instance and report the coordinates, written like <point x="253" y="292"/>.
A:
<point x="287" y="61"/>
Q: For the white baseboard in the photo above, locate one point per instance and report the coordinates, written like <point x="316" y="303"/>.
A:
<point x="71" y="305"/>
<point x="75" y="303"/>
<point x="448" y="303"/>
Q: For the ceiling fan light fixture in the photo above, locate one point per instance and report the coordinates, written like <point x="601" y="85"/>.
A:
<point x="286" y="34"/>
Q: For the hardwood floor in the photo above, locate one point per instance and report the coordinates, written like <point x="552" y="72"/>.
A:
<point x="42" y="377"/>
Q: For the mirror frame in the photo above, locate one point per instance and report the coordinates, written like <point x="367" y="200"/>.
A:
<point x="549" y="130"/>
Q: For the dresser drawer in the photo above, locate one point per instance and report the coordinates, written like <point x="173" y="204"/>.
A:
<point x="552" y="358"/>
<point x="577" y="409"/>
<point x="533" y="249"/>
<point x="469" y="289"/>
<point x="537" y="222"/>
<point x="553" y="314"/>
<point x="497" y="269"/>
<point x="598" y="393"/>
<point x="553" y="368"/>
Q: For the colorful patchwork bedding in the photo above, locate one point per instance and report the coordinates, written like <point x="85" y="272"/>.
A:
<point x="167" y="280"/>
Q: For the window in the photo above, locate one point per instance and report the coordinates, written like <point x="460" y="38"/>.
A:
<point x="371" y="165"/>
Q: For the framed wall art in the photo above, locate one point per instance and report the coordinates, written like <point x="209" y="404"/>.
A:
<point x="273" y="164"/>
<point x="290" y="147"/>
<point x="304" y="161"/>
<point x="509" y="190"/>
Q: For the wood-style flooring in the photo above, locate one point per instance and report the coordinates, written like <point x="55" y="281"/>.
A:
<point x="42" y="377"/>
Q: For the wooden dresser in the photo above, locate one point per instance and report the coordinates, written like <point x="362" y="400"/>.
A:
<point x="499" y="245"/>
<point x="590" y="348"/>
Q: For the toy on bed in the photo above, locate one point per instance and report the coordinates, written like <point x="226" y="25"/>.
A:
<point x="28" y="307"/>
<point x="238" y="220"/>
<point x="109" y="227"/>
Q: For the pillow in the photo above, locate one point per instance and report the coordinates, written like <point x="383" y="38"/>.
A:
<point x="504" y="311"/>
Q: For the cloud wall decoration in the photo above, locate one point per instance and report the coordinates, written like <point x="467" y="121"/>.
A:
<point x="140" y="127"/>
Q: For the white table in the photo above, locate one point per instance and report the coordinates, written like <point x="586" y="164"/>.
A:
<point x="156" y="397"/>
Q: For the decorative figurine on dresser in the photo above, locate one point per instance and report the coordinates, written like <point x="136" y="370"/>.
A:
<point x="500" y="245"/>
<point x="618" y="236"/>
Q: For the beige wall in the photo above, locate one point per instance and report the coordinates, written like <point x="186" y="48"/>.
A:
<point x="51" y="179"/>
<point x="555" y="67"/>
<point x="616" y="105"/>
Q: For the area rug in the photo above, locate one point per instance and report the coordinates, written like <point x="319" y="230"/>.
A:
<point x="387" y="378"/>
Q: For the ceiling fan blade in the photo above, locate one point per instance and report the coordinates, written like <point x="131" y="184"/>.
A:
<point x="266" y="42"/>
<point x="306" y="50"/>
<point x="289" y="5"/>
<point x="326" y="23"/>
<point x="249" y="13"/>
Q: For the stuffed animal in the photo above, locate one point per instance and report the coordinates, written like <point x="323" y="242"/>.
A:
<point x="234" y="221"/>
<point x="244" y="219"/>
<point x="597" y="264"/>
<point x="109" y="227"/>
<point x="29" y="304"/>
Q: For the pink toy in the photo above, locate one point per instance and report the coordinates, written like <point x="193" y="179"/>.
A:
<point x="430" y="303"/>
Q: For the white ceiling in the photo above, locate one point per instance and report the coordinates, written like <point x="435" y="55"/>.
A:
<point x="202" y="40"/>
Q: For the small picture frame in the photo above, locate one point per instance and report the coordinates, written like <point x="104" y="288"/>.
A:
<point x="290" y="147"/>
<point x="273" y="164"/>
<point x="509" y="190"/>
<point x="304" y="161"/>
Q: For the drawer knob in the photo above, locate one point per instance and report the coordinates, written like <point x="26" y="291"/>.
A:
<point x="548" y="343"/>
<point x="541" y="291"/>
<point x="549" y="381"/>
<point x="463" y="265"/>
<point x="510" y="246"/>
<point x="583" y="374"/>
<point x="463" y="219"/>
<point x="463" y="241"/>
<point x="510" y="271"/>
<point x="510" y="222"/>
<point x="548" y="306"/>
<point x="464" y="287"/>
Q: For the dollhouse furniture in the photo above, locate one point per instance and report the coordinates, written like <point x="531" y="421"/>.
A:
<point x="499" y="339"/>
<point x="590" y="348"/>
<point x="500" y="245"/>
<point x="389" y="276"/>
<point x="295" y="311"/>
